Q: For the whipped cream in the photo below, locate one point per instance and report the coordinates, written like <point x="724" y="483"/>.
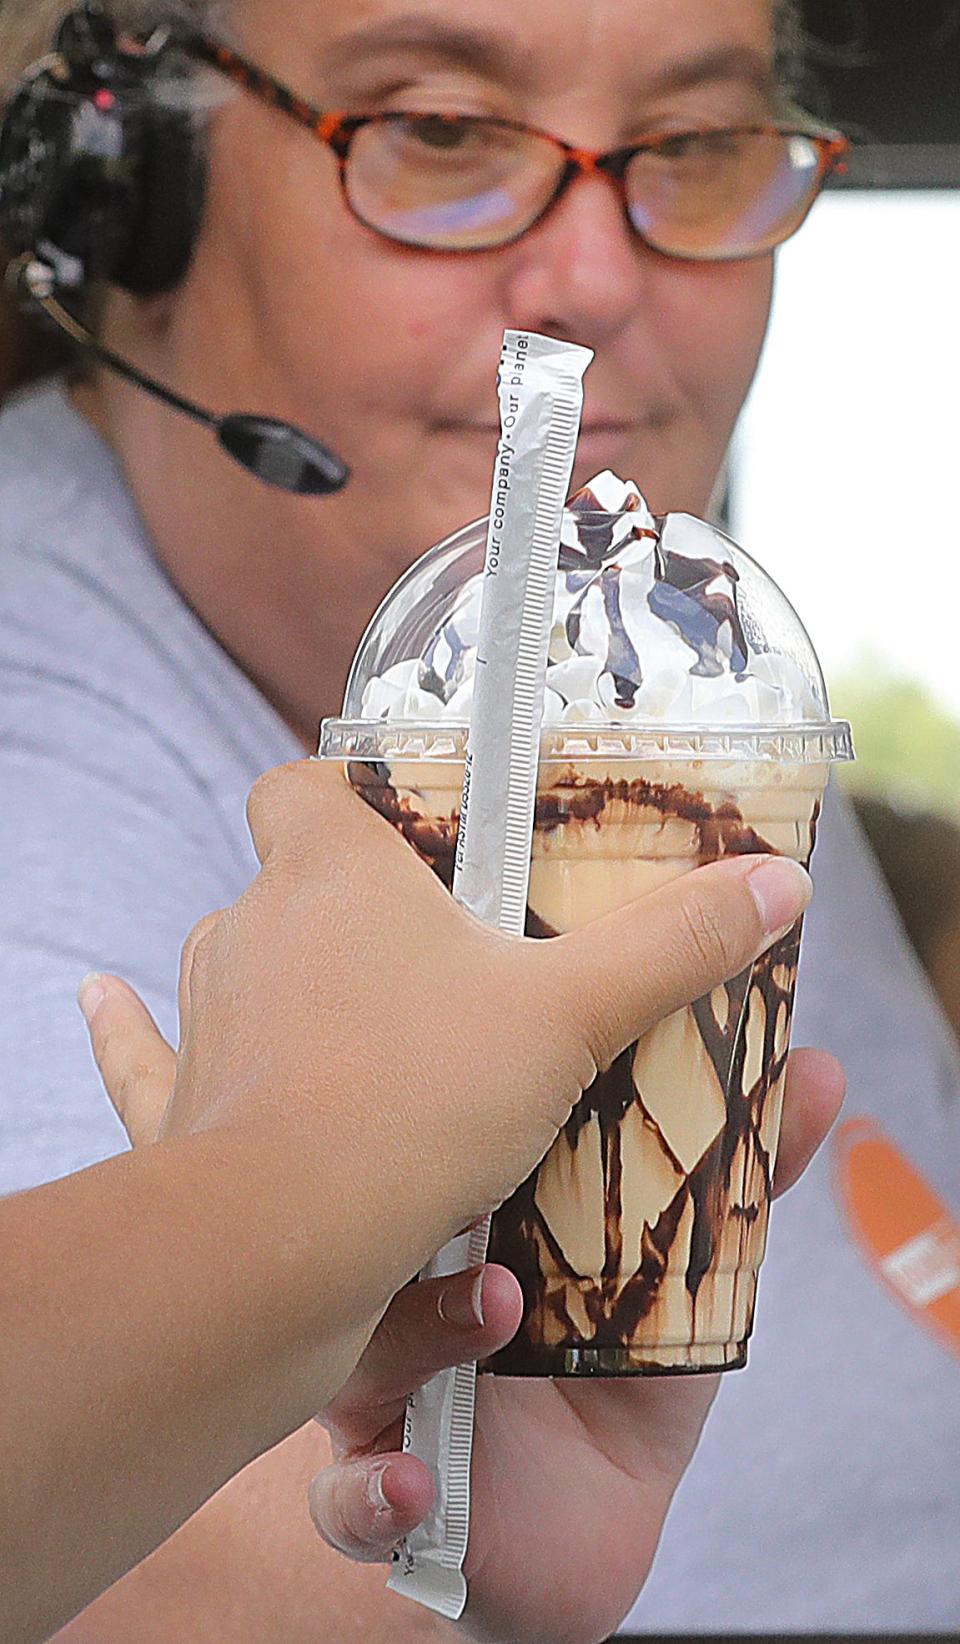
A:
<point x="646" y="629"/>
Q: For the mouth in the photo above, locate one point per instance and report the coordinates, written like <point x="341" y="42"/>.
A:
<point x="597" y="434"/>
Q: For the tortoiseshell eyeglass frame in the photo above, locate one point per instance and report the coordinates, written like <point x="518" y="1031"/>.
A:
<point x="337" y="130"/>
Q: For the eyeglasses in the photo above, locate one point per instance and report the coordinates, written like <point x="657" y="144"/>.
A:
<point x="456" y="182"/>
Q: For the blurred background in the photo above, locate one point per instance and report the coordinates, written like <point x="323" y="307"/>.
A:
<point x="843" y="474"/>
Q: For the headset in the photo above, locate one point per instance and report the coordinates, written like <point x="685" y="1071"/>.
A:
<point x="102" y="180"/>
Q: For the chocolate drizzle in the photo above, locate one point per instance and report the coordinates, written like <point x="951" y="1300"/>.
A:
<point x="443" y="683"/>
<point x="623" y="663"/>
<point x="681" y="598"/>
<point x="595" y="530"/>
<point x="435" y="839"/>
<point x="713" y="1226"/>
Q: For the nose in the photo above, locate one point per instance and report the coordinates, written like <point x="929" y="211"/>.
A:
<point x="581" y="272"/>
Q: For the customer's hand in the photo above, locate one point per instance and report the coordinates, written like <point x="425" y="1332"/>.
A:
<point x="424" y="1061"/>
<point x="346" y="996"/>
<point x="571" y="1480"/>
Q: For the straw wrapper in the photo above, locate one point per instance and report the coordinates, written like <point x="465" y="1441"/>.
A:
<point x="541" y="403"/>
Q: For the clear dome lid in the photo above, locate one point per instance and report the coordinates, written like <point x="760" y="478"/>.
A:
<point x="668" y="640"/>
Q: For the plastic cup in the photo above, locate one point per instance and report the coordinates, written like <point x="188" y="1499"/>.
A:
<point x="638" y="1240"/>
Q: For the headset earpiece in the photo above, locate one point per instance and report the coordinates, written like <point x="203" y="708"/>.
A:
<point x="101" y="178"/>
<point x="86" y="37"/>
<point x="170" y="203"/>
<point x="94" y="166"/>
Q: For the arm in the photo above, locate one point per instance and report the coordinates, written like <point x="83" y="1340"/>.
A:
<point x="249" y="1568"/>
<point x="106" y="862"/>
<point x="63" y="844"/>
<point x="123" y="1409"/>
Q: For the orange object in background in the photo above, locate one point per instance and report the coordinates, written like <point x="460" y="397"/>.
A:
<point x="905" y="1231"/>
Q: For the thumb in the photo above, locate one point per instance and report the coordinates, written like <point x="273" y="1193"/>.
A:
<point x="136" y="1064"/>
<point x="620" y="974"/>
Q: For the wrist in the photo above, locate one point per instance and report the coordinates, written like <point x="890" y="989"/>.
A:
<point x="351" y="1212"/>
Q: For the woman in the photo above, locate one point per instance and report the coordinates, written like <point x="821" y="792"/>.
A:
<point x="171" y="629"/>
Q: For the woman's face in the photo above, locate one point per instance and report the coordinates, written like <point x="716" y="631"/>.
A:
<point x="389" y="353"/>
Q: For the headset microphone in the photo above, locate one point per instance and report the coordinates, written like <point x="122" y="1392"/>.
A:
<point x="274" y="452"/>
<point x="102" y="181"/>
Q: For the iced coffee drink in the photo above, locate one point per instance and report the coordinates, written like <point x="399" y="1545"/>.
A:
<point x="685" y="720"/>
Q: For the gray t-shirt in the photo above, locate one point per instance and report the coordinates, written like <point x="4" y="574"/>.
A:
<point x="825" y="1494"/>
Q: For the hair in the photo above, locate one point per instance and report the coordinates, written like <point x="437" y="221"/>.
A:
<point x="28" y="26"/>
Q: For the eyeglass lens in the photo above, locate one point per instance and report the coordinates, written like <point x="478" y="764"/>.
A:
<point x="462" y="184"/>
<point x="459" y="184"/>
<point x="722" y="194"/>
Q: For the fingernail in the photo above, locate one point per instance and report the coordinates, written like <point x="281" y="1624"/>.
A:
<point x="462" y="1303"/>
<point x="781" y="889"/>
<point x="376" y="1494"/>
<point x="90" y="996"/>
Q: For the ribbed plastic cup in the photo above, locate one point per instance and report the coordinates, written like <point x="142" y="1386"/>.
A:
<point x="638" y="1240"/>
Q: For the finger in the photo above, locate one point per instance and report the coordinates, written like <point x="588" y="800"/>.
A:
<point x="278" y="791"/>
<point x="136" y="1064"/>
<point x="299" y="809"/>
<point x="815" y="1088"/>
<point x="187" y="959"/>
<point x="427" y="1328"/>
<point x="617" y="976"/>
<point x="363" y="1508"/>
<point x="290" y="804"/>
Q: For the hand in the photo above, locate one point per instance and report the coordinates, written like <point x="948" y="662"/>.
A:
<point x="590" y="1469"/>
<point x="571" y="1481"/>
<point x="567" y="1477"/>
<point x="343" y="1011"/>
